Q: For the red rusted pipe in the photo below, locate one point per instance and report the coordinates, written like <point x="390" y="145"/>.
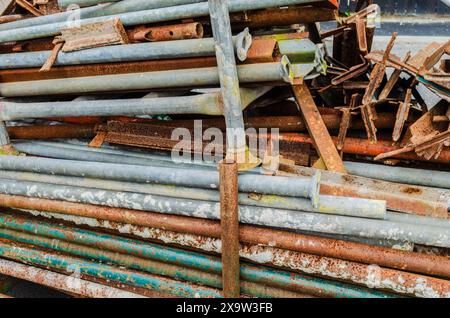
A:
<point x="183" y="31"/>
<point x="362" y="253"/>
<point x="364" y="147"/>
<point x="51" y="132"/>
<point x="229" y="221"/>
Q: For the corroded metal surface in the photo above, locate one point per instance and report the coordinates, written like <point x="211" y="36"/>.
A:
<point x="415" y="262"/>
<point x="62" y="282"/>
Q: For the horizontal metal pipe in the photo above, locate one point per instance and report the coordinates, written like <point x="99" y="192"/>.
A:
<point x="97" y="11"/>
<point x="62" y="282"/>
<point x="135" y="263"/>
<point x="120" y="53"/>
<point x="326" y="204"/>
<point x="251" y="73"/>
<point x="284" y="186"/>
<point x="399" y="282"/>
<point x="84" y="267"/>
<point x="361" y="253"/>
<point x="206" y="104"/>
<point x="82" y="3"/>
<point x="283" y="219"/>
<point x="69" y="151"/>
<point x="437" y="179"/>
<point x="146" y="17"/>
<point x="51" y="131"/>
<point x="170" y="255"/>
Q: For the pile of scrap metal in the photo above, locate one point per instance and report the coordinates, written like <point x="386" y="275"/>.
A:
<point x="94" y="205"/>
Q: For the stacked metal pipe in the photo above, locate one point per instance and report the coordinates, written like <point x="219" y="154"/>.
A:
<point x="94" y="219"/>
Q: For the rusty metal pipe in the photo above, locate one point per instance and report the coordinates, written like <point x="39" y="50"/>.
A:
<point x="133" y="249"/>
<point x="65" y="263"/>
<point x="364" y="147"/>
<point x="361" y="253"/>
<point x="183" y="31"/>
<point x="371" y="276"/>
<point x="51" y="131"/>
<point x="229" y="221"/>
<point x="61" y="282"/>
<point x="286" y="219"/>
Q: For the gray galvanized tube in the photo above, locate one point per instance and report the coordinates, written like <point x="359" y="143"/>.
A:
<point x="57" y="152"/>
<point x="437" y="179"/>
<point x="229" y="81"/>
<point x="206" y="104"/>
<point x="97" y="11"/>
<point x="82" y="3"/>
<point x="327" y="204"/>
<point x="277" y="218"/>
<point x="145" y="17"/>
<point x="208" y="76"/>
<point x="119" y="53"/>
<point x="284" y="186"/>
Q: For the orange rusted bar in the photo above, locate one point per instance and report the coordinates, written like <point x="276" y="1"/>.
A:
<point x="183" y="31"/>
<point x="317" y="129"/>
<point x="357" y="252"/>
<point x="256" y="53"/>
<point x="51" y="131"/>
<point x="358" y="146"/>
<point x="229" y="222"/>
<point x="291" y="15"/>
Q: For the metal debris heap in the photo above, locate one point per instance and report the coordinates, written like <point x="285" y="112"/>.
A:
<point x="354" y="203"/>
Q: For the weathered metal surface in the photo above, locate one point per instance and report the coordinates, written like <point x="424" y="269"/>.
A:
<point x="183" y="31"/>
<point x="207" y="76"/>
<point x="399" y="197"/>
<point x="285" y="219"/>
<point x="317" y="129"/>
<point x="256" y="274"/>
<point x="109" y="32"/>
<point x="402" y="115"/>
<point x="62" y="282"/>
<point x="51" y="131"/>
<point x="363" y="147"/>
<point x="229" y="220"/>
<point x="147" y="17"/>
<point x="413" y="262"/>
<point x="63" y="262"/>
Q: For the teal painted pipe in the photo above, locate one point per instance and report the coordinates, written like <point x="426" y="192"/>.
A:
<point x="152" y="267"/>
<point x="183" y="258"/>
<point x="68" y="263"/>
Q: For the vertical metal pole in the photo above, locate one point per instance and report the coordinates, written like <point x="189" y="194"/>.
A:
<point x="229" y="210"/>
<point x="226" y="61"/>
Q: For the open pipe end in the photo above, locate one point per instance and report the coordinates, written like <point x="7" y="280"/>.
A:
<point x="287" y="71"/>
<point x="243" y="44"/>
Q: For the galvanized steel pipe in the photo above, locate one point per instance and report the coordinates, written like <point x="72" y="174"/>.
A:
<point x="326" y="204"/>
<point x="286" y="219"/>
<point x="123" y="53"/>
<point x="206" y="104"/>
<point x="428" y="178"/>
<point x="295" y="186"/>
<point x="179" y="12"/>
<point x="251" y="73"/>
